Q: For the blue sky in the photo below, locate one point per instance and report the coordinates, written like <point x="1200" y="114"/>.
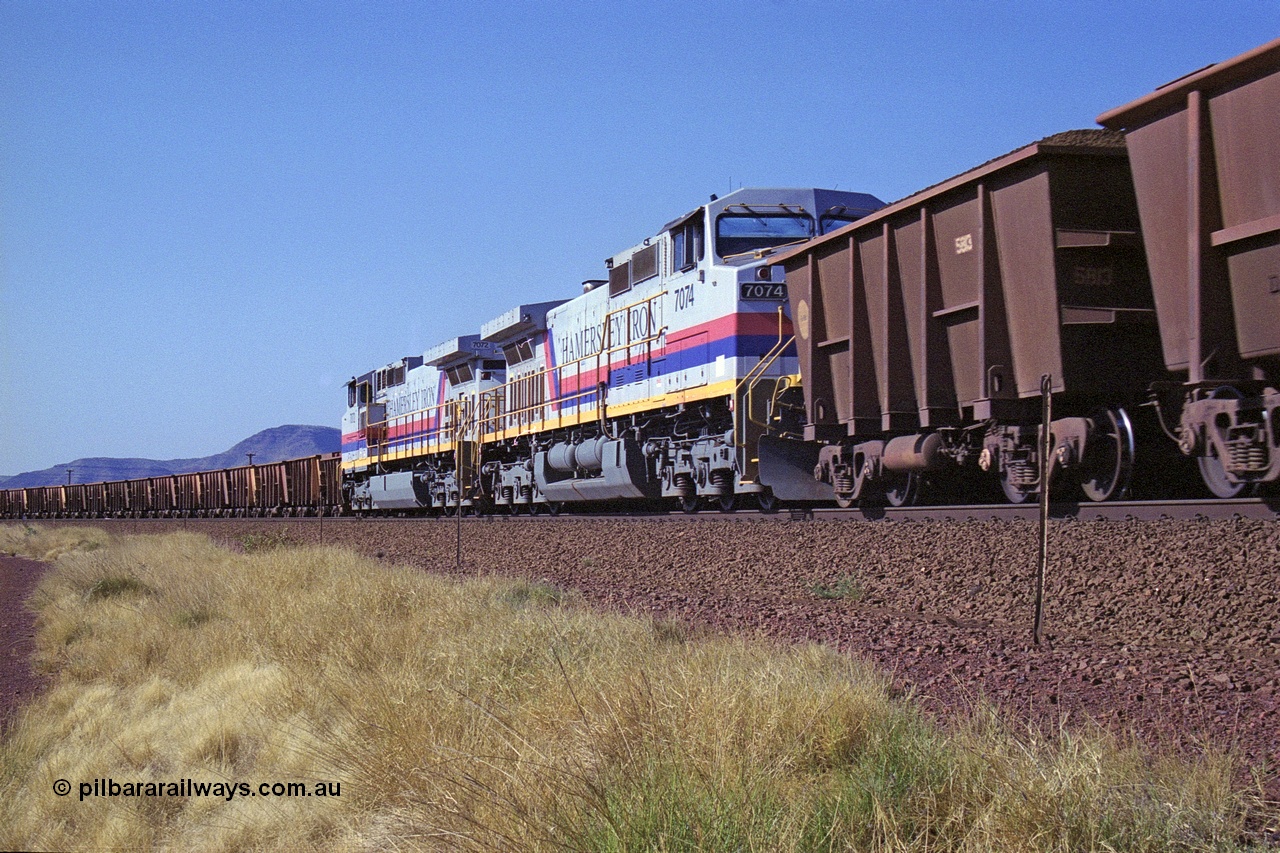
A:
<point x="213" y="214"/>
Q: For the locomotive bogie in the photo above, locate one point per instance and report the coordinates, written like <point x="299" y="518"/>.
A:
<point x="513" y="485"/>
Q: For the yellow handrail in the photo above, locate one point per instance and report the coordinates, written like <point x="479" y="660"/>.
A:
<point x="488" y="418"/>
<point x="745" y="399"/>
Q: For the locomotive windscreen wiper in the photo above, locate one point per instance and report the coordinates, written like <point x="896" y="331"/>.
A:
<point x="758" y="217"/>
<point x="766" y="250"/>
<point x="787" y="208"/>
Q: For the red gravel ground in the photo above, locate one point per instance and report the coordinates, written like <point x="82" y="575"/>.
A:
<point x="1166" y="630"/>
<point x="18" y="682"/>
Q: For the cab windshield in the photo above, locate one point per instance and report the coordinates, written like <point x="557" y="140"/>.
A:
<point x="750" y="231"/>
<point x="831" y="223"/>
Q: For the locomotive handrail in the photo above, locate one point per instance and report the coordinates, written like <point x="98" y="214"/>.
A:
<point x="494" y="420"/>
<point x="536" y="411"/>
<point x="426" y="436"/>
<point x="766" y="361"/>
<point x="754" y="376"/>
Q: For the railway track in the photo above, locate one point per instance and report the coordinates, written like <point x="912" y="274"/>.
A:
<point x="1196" y="510"/>
<point x="1262" y="509"/>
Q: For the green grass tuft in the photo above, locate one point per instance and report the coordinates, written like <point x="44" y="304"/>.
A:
<point x="116" y="586"/>
<point x="537" y="593"/>
<point x="847" y="588"/>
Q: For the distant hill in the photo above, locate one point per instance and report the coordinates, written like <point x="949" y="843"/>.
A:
<point x="270" y="445"/>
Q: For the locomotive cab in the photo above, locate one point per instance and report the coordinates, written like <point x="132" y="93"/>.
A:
<point x="364" y="422"/>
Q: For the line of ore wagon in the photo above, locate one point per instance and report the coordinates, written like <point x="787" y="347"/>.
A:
<point x="310" y="485"/>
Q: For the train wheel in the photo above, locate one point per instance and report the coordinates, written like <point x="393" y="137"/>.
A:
<point x="903" y="489"/>
<point x="536" y="509"/>
<point x="844" y="500"/>
<point x="689" y="505"/>
<point x="1107" y="467"/>
<point x="767" y="501"/>
<point x="728" y="503"/>
<point x="555" y="507"/>
<point x="1215" y="478"/>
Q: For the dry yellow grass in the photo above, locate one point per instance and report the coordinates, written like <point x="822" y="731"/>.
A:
<point x="48" y="543"/>
<point x="496" y="715"/>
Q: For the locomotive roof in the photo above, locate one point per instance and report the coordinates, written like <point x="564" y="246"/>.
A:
<point x="520" y="320"/>
<point x="409" y="362"/>
<point x="458" y="349"/>
<point x="822" y="199"/>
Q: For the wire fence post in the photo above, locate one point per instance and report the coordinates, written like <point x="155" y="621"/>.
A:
<point x="457" y="476"/>
<point x="1046" y="472"/>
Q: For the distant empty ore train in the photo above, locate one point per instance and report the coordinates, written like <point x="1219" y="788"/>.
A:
<point x="817" y="345"/>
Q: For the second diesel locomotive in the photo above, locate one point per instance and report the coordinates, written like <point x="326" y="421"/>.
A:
<point x="655" y="382"/>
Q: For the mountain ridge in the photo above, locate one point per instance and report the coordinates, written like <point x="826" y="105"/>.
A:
<point x="288" y="441"/>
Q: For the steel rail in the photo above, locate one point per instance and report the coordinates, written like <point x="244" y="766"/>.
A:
<point x="1265" y="509"/>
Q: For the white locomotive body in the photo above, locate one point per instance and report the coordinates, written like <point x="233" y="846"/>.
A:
<point x="653" y="383"/>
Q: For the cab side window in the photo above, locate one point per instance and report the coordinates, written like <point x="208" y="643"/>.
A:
<point x="686" y="246"/>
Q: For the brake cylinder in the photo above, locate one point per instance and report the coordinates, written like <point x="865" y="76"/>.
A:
<point x="912" y="453"/>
